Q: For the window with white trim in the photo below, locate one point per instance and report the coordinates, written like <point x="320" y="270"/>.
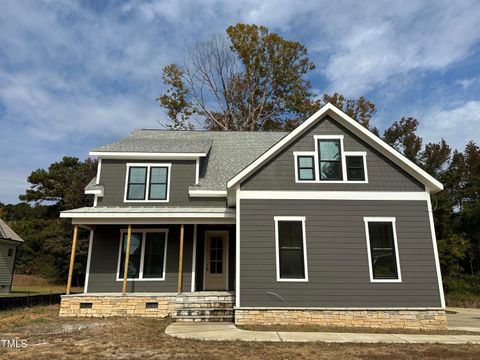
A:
<point x="330" y="159"/>
<point x="382" y="246"/>
<point x="305" y="167"/>
<point x="148" y="255"/>
<point x="291" y="249"/>
<point x="355" y="167"/>
<point x="147" y="183"/>
<point x="329" y="163"/>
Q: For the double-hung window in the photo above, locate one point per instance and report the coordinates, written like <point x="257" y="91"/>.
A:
<point x="356" y="165"/>
<point x="383" y="258"/>
<point x="290" y="244"/>
<point x="147" y="182"/>
<point x="147" y="257"/>
<point x="305" y="167"/>
<point x="330" y="159"/>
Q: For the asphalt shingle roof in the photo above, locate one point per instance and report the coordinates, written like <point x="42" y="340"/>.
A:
<point x="229" y="151"/>
<point x="152" y="145"/>
<point x="7" y="233"/>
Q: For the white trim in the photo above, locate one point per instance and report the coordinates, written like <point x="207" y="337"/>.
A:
<point x="146" y="215"/>
<point x="94" y="192"/>
<point x="237" y="247"/>
<point x="343" y="160"/>
<point x="146" y="155"/>
<point x="363" y="154"/>
<point x="226" y="257"/>
<point x="296" y="154"/>
<point x="334" y="195"/>
<point x="194" y="257"/>
<point x="147" y="184"/>
<point x="197" y="171"/>
<point x="392" y="220"/>
<point x="89" y="257"/>
<point x="276" y="219"/>
<point x="208" y="193"/>
<point x="95" y="200"/>
<point x="435" y="252"/>
<point x="432" y="184"/>
<point x="336" y="308"/>
<point x="99" y="169"/>
<point x="142" y="254"/>
<point x="154" y="221"/>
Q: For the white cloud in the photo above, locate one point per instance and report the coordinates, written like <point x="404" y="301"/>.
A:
<point x="71" y="77"/>
<point x="457" y="125"/>
<point x="467" y="83"/>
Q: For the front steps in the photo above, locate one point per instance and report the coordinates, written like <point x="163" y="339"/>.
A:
<point x="214" y="306"/>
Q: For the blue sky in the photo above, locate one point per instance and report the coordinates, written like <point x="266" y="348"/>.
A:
<point x="75" y="75"/>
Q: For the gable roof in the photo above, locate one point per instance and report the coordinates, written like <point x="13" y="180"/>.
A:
<point x="432" y="185"/>
<point x="6" y="232"/>
<point x="228" y="151"/>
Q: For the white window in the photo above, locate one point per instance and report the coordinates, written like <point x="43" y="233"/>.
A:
<point x="382" y="249"/>
<point x="147" y="182"/>
<point x="291" y="248"/>
<point x="148" y="254"/>
<point x="329" y="163"/>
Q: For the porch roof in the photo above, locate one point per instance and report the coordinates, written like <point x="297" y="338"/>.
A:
<point x="97" y="215"/>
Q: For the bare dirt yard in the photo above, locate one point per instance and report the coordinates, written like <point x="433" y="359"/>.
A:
<point x="47" y="336"/>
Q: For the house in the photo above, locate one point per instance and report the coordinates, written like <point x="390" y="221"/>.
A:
<point x="324" y="225"/>
<point x="9" y="241"/>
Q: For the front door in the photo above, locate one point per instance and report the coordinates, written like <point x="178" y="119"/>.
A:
<point x="216" y="260"/>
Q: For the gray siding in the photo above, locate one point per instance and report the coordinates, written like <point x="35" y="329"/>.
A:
<point x="337" y="255"/>
<point x="113" y="176"/>
<point x="6" y="264"/>
<point x="279" y="173"/>
<point x="104" y="261"/>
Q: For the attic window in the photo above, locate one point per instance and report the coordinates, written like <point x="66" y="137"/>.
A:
<point x="10" y="252"/>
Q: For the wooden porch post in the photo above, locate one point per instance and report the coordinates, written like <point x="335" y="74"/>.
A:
<point x="127" y="256"/>
<point x="180" y="260"/>
<point x="72" y="258"/>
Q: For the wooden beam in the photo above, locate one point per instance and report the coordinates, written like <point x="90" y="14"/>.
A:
<point x="127" y="257"/>
<point x="72" y="258"/>
<point x="86" y="227"/>
<point x="180" y="259"/>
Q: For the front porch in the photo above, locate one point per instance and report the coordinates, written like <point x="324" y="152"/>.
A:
<point x="158" y="268"/>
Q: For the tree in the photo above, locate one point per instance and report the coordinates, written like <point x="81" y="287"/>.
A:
<point x="254" y="81"/>
<point x="359" y="109"/>
<point x="402" y="136"/>
<point x="62" y="184"/>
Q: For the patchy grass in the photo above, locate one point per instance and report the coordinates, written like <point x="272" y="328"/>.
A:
<point x="317" y="328"/>
<point x="462" y="299"/>
<point x="26" y="285"/>
<point x="50" y="337"/>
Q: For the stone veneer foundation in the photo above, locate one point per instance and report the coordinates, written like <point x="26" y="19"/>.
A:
<point x="426" y="319"/>
<point x="117" y="305"/>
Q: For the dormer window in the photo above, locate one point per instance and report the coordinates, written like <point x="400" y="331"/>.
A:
<point x="147" y="182"/>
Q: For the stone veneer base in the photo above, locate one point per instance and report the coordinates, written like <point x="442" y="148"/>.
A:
<point x="384" y="319"/>
<point x="103" y="306"/>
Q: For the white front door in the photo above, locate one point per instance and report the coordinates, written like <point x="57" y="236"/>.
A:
<point x="216" y="260"/>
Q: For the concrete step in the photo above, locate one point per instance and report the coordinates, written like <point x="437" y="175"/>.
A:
<point x="201" y="312"/>
<point x="204" y="305"/>
<point x="205" y="318"/>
